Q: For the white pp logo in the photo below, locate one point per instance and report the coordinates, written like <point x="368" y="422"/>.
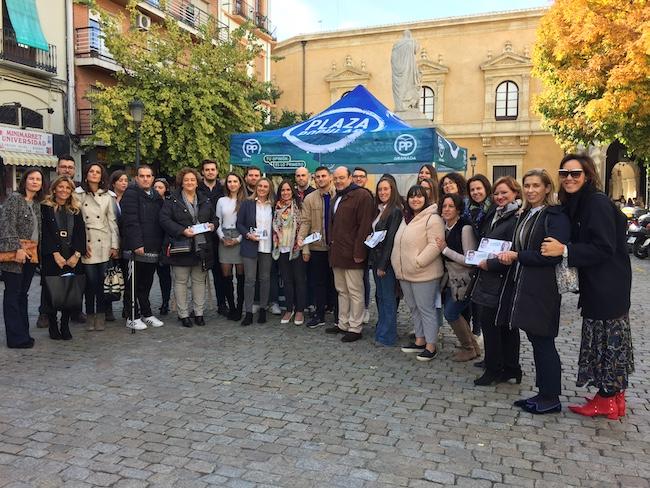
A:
<point x="250" y="147"/>
<point x="405" y="145"/>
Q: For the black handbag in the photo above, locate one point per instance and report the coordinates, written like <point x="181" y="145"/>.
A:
<point x="66" y="291"/>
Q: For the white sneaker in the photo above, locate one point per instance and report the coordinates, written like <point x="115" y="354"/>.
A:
<point x="153" y="321"/>
<point x="366" y="316"/>
<point x="136" y="324"/>
<point x="275" y="309"/>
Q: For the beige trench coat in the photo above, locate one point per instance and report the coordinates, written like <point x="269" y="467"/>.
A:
<point x="102" y="235"/>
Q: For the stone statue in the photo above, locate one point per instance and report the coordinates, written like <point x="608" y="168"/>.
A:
<point x="406" y="76"/>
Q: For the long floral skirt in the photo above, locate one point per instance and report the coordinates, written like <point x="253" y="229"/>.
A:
<point x="606" y="357"/>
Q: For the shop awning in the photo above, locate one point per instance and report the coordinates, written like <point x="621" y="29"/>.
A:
<point x="14" y="158"/>
<point x="27" y="26"/>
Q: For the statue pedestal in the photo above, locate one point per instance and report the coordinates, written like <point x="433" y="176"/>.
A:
<point x="416" y="119"/>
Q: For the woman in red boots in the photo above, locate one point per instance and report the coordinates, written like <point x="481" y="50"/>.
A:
<point x="598" y="249"/>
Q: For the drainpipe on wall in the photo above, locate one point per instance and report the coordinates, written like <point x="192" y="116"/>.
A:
<point x="304" y="75"/>
<point x="69" y="34"/>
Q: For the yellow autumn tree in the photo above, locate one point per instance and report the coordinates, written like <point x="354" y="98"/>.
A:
<point x="593" y="57"/>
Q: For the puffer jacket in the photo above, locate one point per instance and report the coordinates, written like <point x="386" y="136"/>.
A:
<point x="416" y="256"/>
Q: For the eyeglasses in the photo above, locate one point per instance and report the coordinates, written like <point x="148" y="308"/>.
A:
<point x="574" y="173"/>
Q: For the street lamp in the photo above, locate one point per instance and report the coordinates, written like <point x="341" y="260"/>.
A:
<point x="136" y="108"/>
<point x="472" y="161"/>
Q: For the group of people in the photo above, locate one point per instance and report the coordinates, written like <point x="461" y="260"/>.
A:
<point x="320" y="243"/>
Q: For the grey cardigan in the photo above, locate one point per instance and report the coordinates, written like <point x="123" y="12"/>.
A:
<point x="17" y="222"/>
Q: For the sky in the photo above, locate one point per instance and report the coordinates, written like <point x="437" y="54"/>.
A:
<point x="293" y="17"/>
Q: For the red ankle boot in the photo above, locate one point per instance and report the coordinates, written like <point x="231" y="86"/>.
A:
<point x="620" y="403"/>
<point x="598" y="406"/>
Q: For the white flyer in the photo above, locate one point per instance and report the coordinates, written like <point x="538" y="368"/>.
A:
<point x="375" y="238"/>
<point x="261" y="234"/>
<point x="200" y="228"/>
<point x="315" y="237"/>
<point x="494" y="246"/>
<point x="475" y="257"/>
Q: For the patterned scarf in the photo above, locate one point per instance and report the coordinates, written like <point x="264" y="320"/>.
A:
<point x="286" y="225"/>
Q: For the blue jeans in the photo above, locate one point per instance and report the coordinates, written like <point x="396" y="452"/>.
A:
<point x="95" y="298"/>
<point x="386" y="330"/>
<point x="15" y="305"/>
<point x="454" y="309"/>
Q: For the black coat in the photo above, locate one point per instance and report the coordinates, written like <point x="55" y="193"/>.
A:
<point x="51" y="242"/>
<point x="379" y="256"/>
<point x="140" y="220"/>
<point x="598" y="249"/>
<point x="531" y="287"/>
<point x="488" y="286"/>
<point x="175" y="218"/>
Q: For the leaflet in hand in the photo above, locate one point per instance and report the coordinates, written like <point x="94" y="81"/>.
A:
<point x="375" y="238"/>
<point x="200" y="228"/>
<point x="315" y="237"/>
<point x="261" y="234"/>
<point x="475" y="257"/>
<point x="494" y="246"/>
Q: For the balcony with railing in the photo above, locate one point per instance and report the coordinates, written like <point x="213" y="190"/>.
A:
<point x="189" y="15"/>
<point x="90" y="50"/>
<point x="84" y="122"/>
<point x="250" y="12"/>
<point x="31" y="57"/>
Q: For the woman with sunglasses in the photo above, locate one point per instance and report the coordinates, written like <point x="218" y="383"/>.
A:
<point x="598" y="249"/>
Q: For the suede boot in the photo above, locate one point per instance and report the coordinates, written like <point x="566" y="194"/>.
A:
<point x="229" y="291"/>
<point x="53" y="328"/>
<point x="464" y="334"/>
<point x="90" y="321"/>
<point x="100" y="321"/>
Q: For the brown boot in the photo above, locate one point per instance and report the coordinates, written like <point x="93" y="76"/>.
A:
<point x="90" y="321"/>
<point x="464" y="334"/>
<point x="100" y="321"/>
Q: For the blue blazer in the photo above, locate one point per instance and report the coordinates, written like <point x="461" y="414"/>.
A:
<point x="247" y="218"/>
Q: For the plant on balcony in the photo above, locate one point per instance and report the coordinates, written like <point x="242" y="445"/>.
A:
<point x="196" y="92"/>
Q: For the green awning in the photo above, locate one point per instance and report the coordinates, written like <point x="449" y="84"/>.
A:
<point x="27" y="26"/>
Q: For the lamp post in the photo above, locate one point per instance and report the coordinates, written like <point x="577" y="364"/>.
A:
<point x="472" y="161"/>
<point x="136" y="108"/>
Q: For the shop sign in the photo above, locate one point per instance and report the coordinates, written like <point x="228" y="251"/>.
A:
<point x="26" y="141"/>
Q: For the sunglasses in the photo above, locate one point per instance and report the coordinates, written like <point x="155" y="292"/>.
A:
<point x="574" y="173"/>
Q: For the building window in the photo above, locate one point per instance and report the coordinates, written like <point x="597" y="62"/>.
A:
<point x="507" y="101"/>
<point x="8" y="114"/>
<point x="31" y="118"/>
<point x="427" y="98"/>
<point x="499" y="171"/>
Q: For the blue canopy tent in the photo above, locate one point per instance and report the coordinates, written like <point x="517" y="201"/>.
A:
<point x="356" y="131"/>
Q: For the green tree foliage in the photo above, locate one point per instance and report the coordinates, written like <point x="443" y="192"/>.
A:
<point x="594" y="59"/>
<point x="196" y="92"/>
<point x="284" y="119"/>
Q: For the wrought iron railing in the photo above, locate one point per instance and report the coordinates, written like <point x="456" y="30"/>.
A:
<point x="250" y="12"/>
<point x="189" y="14"/>
<point x="84" y="121"/>
<point x="12" y="50"/>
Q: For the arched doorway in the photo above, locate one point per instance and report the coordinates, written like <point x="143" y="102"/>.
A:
<point x="624" y="181"/>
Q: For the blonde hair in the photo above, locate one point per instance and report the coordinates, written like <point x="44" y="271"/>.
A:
<point x="72" y="205"/>
<point x="542" y="174"/>
<point x="271" y="197"/>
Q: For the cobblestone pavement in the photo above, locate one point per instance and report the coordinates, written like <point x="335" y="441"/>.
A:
<point x="287" y="406"/>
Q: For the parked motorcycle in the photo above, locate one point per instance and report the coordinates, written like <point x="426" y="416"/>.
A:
<point x="638" y="236"/>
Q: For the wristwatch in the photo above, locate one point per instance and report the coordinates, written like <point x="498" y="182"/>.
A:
<point x="565" y="253"/>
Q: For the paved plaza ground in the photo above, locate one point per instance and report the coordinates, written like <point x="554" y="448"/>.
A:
<point x="285" y="406"/>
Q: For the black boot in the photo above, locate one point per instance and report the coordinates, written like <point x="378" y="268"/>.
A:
<point x="248" y="319"/>
<point x="261" y="316"/>
<point x="240" y="296"/>
<point x="164" y="308"/>
<point x="65" y="327"/>
<point x="53" y="328"/>
<point x="230" y="297"/>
